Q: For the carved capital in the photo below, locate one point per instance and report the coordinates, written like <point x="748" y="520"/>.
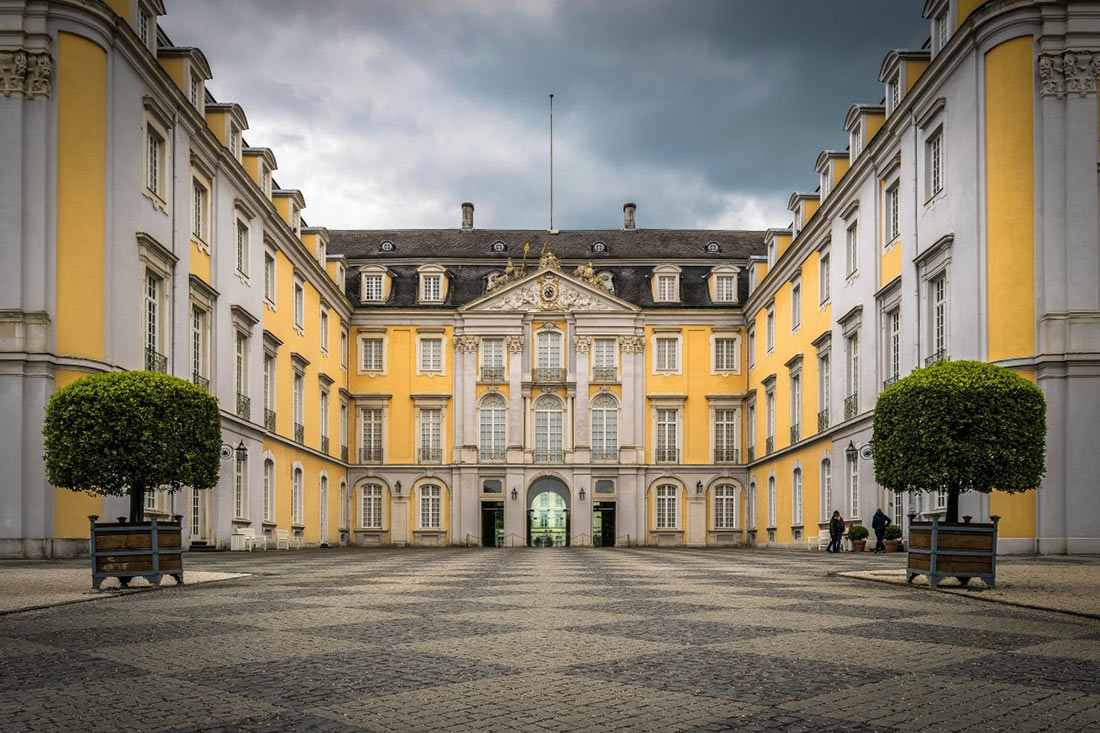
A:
<point x="25" y="73"/>
<point x="582" y="343"/>
<point x="1070" y="72"/>
<point x="514" y="343"/>
<point x="467" y="342"/>
<point x="632" y="344"/>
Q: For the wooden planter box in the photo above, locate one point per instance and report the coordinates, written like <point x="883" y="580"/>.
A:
<point x="127" y="550"/>
<point x="940" y="550"/>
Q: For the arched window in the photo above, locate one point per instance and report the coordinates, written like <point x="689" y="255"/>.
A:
<point x="667" y="502"/>
<point x="548" y="355"/>
<point x="492" y="415"/>
<point x="750" y="510"/>
<point x="269" y="490"/>
<point x="605" y="428"/>
<point x="796" y="497"/>
<point x="826" y="489"/>
<point x="548" y="424"/>
<point x="429" y="506"/>
<point x="322" y="496"/>
<point x="296" y="496"/>
<point x="725" y="506"/>
<point x="771" y="501"/>
<point x="370" y="512"/>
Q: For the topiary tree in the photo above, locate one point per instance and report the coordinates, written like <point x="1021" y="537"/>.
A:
<point x="960" y="426"/>
<point x="129" y="432"/>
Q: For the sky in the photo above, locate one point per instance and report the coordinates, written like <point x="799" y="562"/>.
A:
<point x="387" y="114"/>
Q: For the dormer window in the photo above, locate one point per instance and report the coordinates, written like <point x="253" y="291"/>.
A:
<point x="322" y="252"/>
<point x="265" y="179"/>
<point x="386" y="247"/>
<point x="145" y="23"/>
<point x="196" y="85"/>
<point x="725" y="288"/>
<point x="826" y="183"/>
<point x="666" y="284"/>
<point x="431" y="284"/>
<point x="235" y="140"/>
<point x="372" y="284"/>
<point x="943" y="30"/>
<point x="295" y="219"/>
<point x="893" y="92"/>
<point x="771" y="254"/>
<point x="712" y="247"/>
<point x="855" y="144"/>
<point x="599" y="247"/>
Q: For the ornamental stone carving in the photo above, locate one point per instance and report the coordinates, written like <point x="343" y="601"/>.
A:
<point x="582" y="343"/>
<point x="467" y="342"/>
<point x="25" y="73"/>
<point x="1070" y="72"/>
<point x="632" y="344"/>
<point x="548" y="294"/>
<point x="514" y="343"/>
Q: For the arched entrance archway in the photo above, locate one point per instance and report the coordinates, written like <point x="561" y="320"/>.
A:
<point x="548" y="513"/>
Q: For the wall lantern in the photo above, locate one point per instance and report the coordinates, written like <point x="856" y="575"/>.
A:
<point x="228" y="451"/>
<point x="397" y="488"/>
<point x="515" y="494"/>
<point x="582" y="493"/>
<point x="866" y="451"/>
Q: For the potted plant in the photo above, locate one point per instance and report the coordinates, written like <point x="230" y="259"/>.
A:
<point x="857" y="535"/>
<point x="891" y="538"/>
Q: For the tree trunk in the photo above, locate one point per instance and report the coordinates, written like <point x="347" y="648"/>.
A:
<point x="137" y="503"/>
<point x="952" y="505"/>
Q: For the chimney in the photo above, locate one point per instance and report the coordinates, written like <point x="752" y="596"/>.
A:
<point x="628" y="216"/>
<point x="467" y="216"/>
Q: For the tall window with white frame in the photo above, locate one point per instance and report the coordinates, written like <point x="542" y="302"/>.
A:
<point x="269" y="277"/>
<point x="851" y="249"/>
<point x="725" y="354"/>
<point x="891" y="214"/>
<point x="492" y="360"/>
<point x="144" y="24"/>
<point x="198" y="347"/>
<point x="853" y="486"/>
<point x="548" y="429"/>
<point x="725" y="288"/>
<point x="241" y="369"/>
<point x="198" y="210"/>
<point x="372" y="354"/>
<point x="431" y="445"/>
<point x="154" y="162"/>
<point x="430" y="499"/>
<point x="299" y="306"/>
<point x="796" y="408"/>
<point x="668" y="354"/>
<point x="432" y="288"/>
<point x="323" y="417"/>
<point x="892" y="347"/>
<point x="343" y="499"/>
<point x="667" y="505"/>
<point x="240" y="487"/>
<point x="431" y="354"/>
<point x="242" y="248"/>
<point x="769" y="423"/>
<point x="750" y="425"/>
<point x="796" y="306"/>
<point x="725" y="436"/>
<point x="370" y="451"/>
<point x="324" y="329"/>
<point x="322" y="513"/>
<point x="234" y="139"/>
<point x="851" y="402"/>
<point x="824" y="391"/>
<point x="298" y="389"/>
<point x="372" y="288"/>
<point x="269" y="490"/>
<point x="269" y="392"/>
<point x="771" y="502"/>
<point x="343" y="430"/>
<point x="296" y="481"/>
<point x="943" y="30"/>
<point x="604" y="351"/>
<point x="769" y="320"/>
<point x="750" y="507"/>
<point x="666" y="288"/>
<point x="934" y="148"/>
<point x="725" y="506"/>
<point x="826" y="487"/>
<point x="894" y="91"/>
<point x="751" y="346"/>
<point x="154" y="291"/>
<point x="823" y="278"/>
<point x="796" y="497"/>
<point x="370" y="508"/>
<point x="668" y="436"/>
<point x="548" y="355"/>
<point x="605" y="428"/>
<point x="493" y="411"/>
<point x="938" y="297"/>
<point x="343" y="347"/>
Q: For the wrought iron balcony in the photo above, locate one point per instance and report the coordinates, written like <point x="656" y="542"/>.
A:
<point x="796" y="433"/>
<point x="851" y="406"/>
<point x="605" y="454"/>
<point x="549" y="456"/>
<point x="752" y="453"/>
<point x="200" y="380"/>
<point x="429" y="455"/>
<point x="725" y="455"/>
<point x="324" y="444"/>
<point x="299" y="433"/>
<point x="155" y="361"/>
<point x="936" y="357"/>
<point x="668" y="455"/>
<point x="605" y="374"/>
<point x="370" y="455"/>
<point x="492" y="454"/>
<point x="769" y="445"/>
<point x="344" y="453"/>
<point x="823" y="420"/>
<point x="492" y="374"/>
<point x="551" y="375"/>
<point x="244" y="406"/>
<point x="269" y="420"/>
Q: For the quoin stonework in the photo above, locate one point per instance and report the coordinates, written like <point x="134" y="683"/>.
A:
<point x="485" y="387"/>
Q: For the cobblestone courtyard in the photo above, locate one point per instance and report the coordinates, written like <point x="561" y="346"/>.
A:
<point x="405" y="640"/>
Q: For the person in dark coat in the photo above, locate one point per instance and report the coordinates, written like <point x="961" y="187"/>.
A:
<point x="879" y="523"/>
<point x="836" y="531"/>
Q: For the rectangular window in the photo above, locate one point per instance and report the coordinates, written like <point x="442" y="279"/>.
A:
<point x="823" y="278"/>
<point x="343" y="427"/>
<point x="752" y="347"/>
<point x="939" y="317"/>
<point x="750" y="507"/>
<point x="725" y="507"/>
<point x="856" y="142"/>
<point x="430" y="435"/>
<point x="433" y="287"/>
<point x="198" y="210"/>
<point x="299" y="399"/>
<point x="372" y="355"/>
<point x="492" y="354"/>
<point x="891" y="214"/>
<point x="603" y="357"/>
<point x="725" y="288"/>
<point x="548" y="354"/>
<point x="750" y="425"/>
<point x="269" y="491"/>
<point x="153" y="286"/>
<point x="725" y="354"/>
<point x="667" y="502"/>
<point x="295" y="219"/>
<point x="492" y="425"/>
<point x="372" y="288"/>
<point x="771" y="501"/>
<point x="894" y="93"/>
<point x="324" y="415"/>
<point x="824" y="392"/>
<point x="826" y="490"/>
<point x="299" y="306"/>
<point x="666" y="288"/>
<point x="943" y="30"/>
<point x="154" y="161"/>
<point x="852" y="249"/>
<point x="893" y="344"/>
<point x="851" y="406"/>
<point x="725" y="436"/>
<point x="770" y="334"/>
<point x="265" y="179"/>
<point x="796" y="498"/>
<point x="324" y="329"/>
<point x="269" y="277"/>
<point x="935" y="164"/>
<point x="144" y="22"/>
<point x="431" y="355"/>
<point x="796" y="306"/>
<point x="242" y="248"/>
<point x="853" y="487"/>
<point x="429" y="506"/>
<point x="234" y="139"/>
<point x="796" y="407"/>
<point x="372" y="435"/>
<point x="667" y="423"/>
<point x="371" y="511"/>
<point x="296" y="497"/>
<point x="343" y="348"/>
<point x="240" y="488"/>
<point x="241" y="364"/>
<point x="269" y="383"/>
<point x="668" y="354"/>
<point x="770" y="418"/>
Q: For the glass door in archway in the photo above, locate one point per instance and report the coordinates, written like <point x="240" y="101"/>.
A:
<point x="548" y="521"/>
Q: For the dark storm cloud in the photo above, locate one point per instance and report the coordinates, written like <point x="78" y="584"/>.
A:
<point x="388" y="114"/>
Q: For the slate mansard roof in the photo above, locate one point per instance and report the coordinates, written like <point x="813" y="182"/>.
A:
<point x="469" y="258"/>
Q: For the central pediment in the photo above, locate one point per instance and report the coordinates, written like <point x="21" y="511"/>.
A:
<point x="549" y="289"/>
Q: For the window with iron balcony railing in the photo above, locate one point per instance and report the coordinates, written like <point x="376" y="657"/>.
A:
<point x="344" y="453"/>
<point x="324" y="444"/>
<point x="370" y="455"/>
<point x="492" y="374"/>
<point x="244" y="406"/>
<point x="549" y="456"/>
<point x="155" y="361"/>
<point x="605" y="454"/>
<point x="201" y="381"/>
<point x="492" y="454"/>
<point x="796" y="433"/>
<point x="823" y="420"/>
<point x="769" y="445"/>
<point x="269" y="419"/>
<point x="851" y="406"/>
<point x="549" y="374"/>
<point x="725" y="455"/>
<point x="668" y="455"/>
<point x="936" y="357"/>
<point x="605" y="374"/>
<point x="429" y="455"/>
<point x="299" y="433"/>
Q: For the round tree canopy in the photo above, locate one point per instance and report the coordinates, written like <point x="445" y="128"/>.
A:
<point x="960" y="426"/>
<point x="106" y="434"/>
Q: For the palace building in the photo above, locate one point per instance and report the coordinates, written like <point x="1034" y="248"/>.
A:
<point x="629" y="386"/>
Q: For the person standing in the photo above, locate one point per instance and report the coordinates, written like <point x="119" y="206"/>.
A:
<point x="836" y="531"/>
<point x="879" y="523"/>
